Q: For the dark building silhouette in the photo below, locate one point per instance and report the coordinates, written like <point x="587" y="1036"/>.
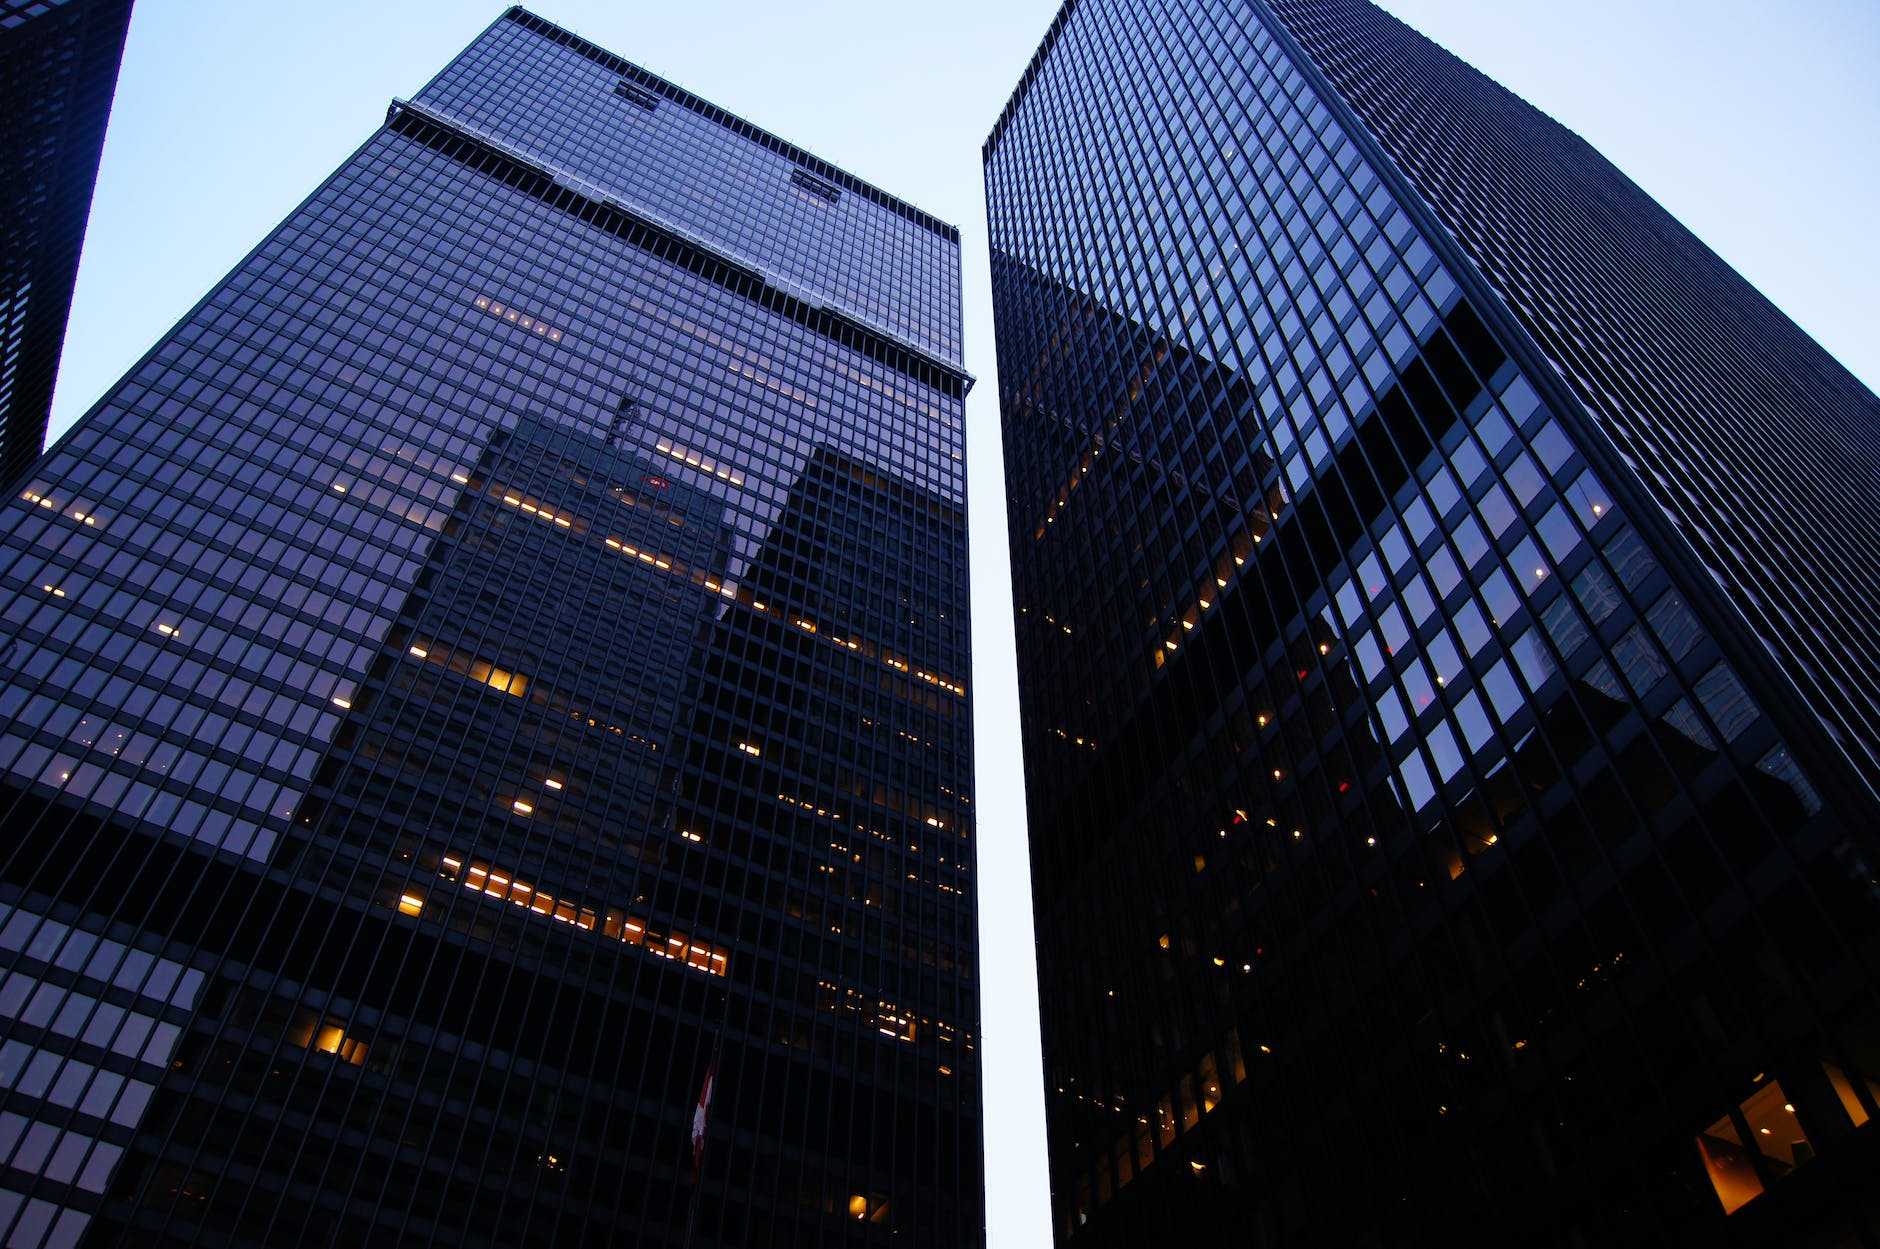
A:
<point x="58" y="70"/>
<point x="1450" y="771"/>
<point x="501" y="657"/>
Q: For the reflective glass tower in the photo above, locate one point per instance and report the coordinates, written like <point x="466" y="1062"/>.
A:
<point x="485" y="706"/>
<point x="58" y="70"/>
<point x="1451" y="773"/>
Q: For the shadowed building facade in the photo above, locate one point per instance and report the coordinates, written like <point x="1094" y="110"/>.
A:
<point x="1452" y="815"/>
<point x="58" y="71"/>
<point x="501" y="655"/>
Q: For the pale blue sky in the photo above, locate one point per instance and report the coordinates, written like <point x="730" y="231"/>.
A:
<point x="1753" y="123"/>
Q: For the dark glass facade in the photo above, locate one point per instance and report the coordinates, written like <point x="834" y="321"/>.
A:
<point x="1433" y="840"/>
<point x="503" y="654"/>
<point x="58" y="70"/>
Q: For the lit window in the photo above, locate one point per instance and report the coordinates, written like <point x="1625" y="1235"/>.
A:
<point x="516" y="318"/>
<point x="498" y="678"/>
<point x="1732" y="1173"/>
<point x="704" y="463"/>
<point x="410" y="904"/>
<point x="325" y="1035"/>
<point x="1843" y="1089"/>
<point x="1210" y="1081"/>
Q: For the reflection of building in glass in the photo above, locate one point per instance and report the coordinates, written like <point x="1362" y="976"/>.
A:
<point x="59" y="63"/>
<point x="829" y="733"/>
<point x="1425" y="851"/>
<point x="407" y="794"/>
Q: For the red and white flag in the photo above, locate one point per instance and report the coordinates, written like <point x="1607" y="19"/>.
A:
<point x="701" y="1115"/>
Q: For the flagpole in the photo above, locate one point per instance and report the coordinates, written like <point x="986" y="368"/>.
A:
<point x="710" y="1090"/>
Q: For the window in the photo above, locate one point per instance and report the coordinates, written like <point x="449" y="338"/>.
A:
<point x="627" y="91"/>
<point x="815" y="186"/>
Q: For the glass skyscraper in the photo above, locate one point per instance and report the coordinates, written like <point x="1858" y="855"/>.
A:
<point x="486" y="701"/>
<point x="1444" y="598"/>
<point x="58" y="70"/>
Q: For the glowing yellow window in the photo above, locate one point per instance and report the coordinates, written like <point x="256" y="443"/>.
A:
<point x="1774" y="1129"/>
<point x="1732" y="1172"/>
<point x="1165" y="1122"/>
<point x="410" y="904"/>
<point x="1843" y="1089"/>
<point x="498" y="678"/>
<point x="1210" y="1084"/>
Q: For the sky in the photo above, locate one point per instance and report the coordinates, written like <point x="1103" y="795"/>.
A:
<point x="1753" y="124"/>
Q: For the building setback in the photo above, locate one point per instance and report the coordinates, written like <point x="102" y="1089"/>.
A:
<point x="58" y="70"/>
<point x="496" y="669"/>
<point x="1448" y="690"/>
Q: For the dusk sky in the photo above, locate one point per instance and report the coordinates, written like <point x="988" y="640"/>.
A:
<point x="1753" y="125"/>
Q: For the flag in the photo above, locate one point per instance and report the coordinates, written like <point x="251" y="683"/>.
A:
<point x="701" y="1114"/>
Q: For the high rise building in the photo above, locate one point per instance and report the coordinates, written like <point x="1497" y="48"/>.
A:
<point x="485" y="710"/>
<point x="1449" y="695"/>
<point x="58" y="70"/>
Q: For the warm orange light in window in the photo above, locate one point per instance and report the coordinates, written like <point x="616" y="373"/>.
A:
<point x="522" y="808"/>
<point x="420" y="652"/>
<point x="858" y="1206"/>
<point x="410" y="904"/>
<point x="498" y="678"/>
<point x="1727" y="1160"/>
<point x="749" y="749"/>
<point x="551" y="782"/>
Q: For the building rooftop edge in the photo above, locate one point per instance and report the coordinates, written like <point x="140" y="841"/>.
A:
<point x="660" y="224"/>
<point x="1024" y="82"/>
<point x="777" y="143"/>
